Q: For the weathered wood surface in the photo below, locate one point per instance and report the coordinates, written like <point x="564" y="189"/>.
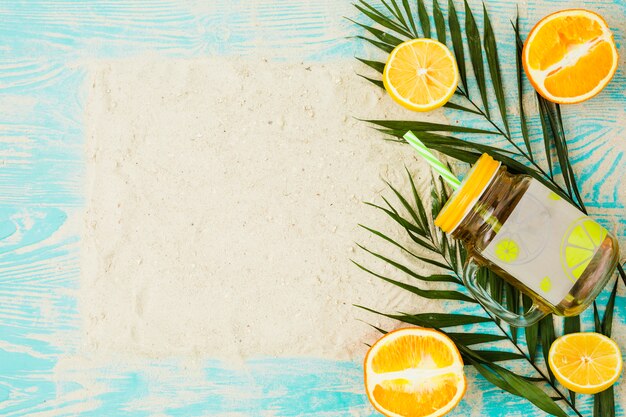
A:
<point x="45" y="48"/>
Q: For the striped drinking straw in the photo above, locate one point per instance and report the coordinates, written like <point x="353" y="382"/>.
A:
<point x="432" y="160"/>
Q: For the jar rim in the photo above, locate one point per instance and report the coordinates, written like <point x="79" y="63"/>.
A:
<point x="469" y="192"/>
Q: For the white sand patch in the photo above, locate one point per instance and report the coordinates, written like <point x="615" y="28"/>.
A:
<point x="223" y="198"/>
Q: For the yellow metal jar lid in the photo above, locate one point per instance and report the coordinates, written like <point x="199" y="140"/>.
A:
<point x="472" y="188"/>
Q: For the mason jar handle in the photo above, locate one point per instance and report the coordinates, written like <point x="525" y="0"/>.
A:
<point x="532" y="316"/>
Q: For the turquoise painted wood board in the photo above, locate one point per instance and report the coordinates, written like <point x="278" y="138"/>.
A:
<point x="45" y="46"/>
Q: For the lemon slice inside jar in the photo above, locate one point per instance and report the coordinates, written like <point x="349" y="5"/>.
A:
<point x="579" y="245"/>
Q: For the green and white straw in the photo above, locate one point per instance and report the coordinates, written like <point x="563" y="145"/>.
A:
<point x="432" y="160"/>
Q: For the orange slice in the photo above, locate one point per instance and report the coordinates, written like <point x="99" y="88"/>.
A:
<point x="414" y="372"/>
<point x="421" y="74"/>
<point x="586" y="363"/>
<point x="569" y="56"/>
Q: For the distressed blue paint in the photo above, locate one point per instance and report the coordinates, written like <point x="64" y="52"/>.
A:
<point x="284" y="387"/>
<point x="44" y="46"/>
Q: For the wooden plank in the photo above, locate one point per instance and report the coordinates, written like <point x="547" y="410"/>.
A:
<point x="44" y="49"/>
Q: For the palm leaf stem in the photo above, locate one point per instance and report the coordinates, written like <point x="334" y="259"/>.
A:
<point x="620" y="270"/>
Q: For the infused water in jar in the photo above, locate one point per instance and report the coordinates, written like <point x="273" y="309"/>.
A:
<point x="532" y="238"/>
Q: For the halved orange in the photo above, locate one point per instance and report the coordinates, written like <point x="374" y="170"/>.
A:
<point x="585" y="362"/>
<point x="570" y="56"/>
<point x="421" y="74"/>
<point x="414" y="372"/>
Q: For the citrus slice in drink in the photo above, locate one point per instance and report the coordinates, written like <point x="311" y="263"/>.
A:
<point x="570" y="56"/>
<point x="507" y="250"/>
<point x="586" y="363"/>
<point x="579" y="245"/>
<point x="421" y="74"/>
<point x="414" y="372"/>
<point x="522" y="237"/>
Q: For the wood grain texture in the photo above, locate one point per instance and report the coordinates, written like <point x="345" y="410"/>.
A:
<point x="45" y="50"/>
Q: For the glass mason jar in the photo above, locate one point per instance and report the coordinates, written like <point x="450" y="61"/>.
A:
<point x="532" y="238"/>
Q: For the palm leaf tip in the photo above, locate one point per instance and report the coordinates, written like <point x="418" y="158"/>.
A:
<point x="457" y="43"/>
<point x="379" y="34"/>
<point x="377" y="83"/>
<point x="520" y="88"/>
<point x="491" y="50"/>
<point x="395" y="12"/>
<point x="476" y="55"/>
<point x="424" y="18"/>
<point x="409" y="13"/>
<point x="440" y="24"/>
<point x="382" y="20"/>
<point x="375" y="65"/>
<point x="385" y="47"/>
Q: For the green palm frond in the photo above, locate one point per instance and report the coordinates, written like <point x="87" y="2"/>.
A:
<point x="399" y="22"/>
<point x="493" y="61"/>
<point x="448" y="255"/>
<point x="476" y="55"/>
<point x="457" y="42"/>
<point x="520" y="88"/>
<point x="604" y="402"/>
<point x="440" y="22"/>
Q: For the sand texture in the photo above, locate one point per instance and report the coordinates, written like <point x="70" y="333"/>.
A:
<point x="223" y="198"/>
